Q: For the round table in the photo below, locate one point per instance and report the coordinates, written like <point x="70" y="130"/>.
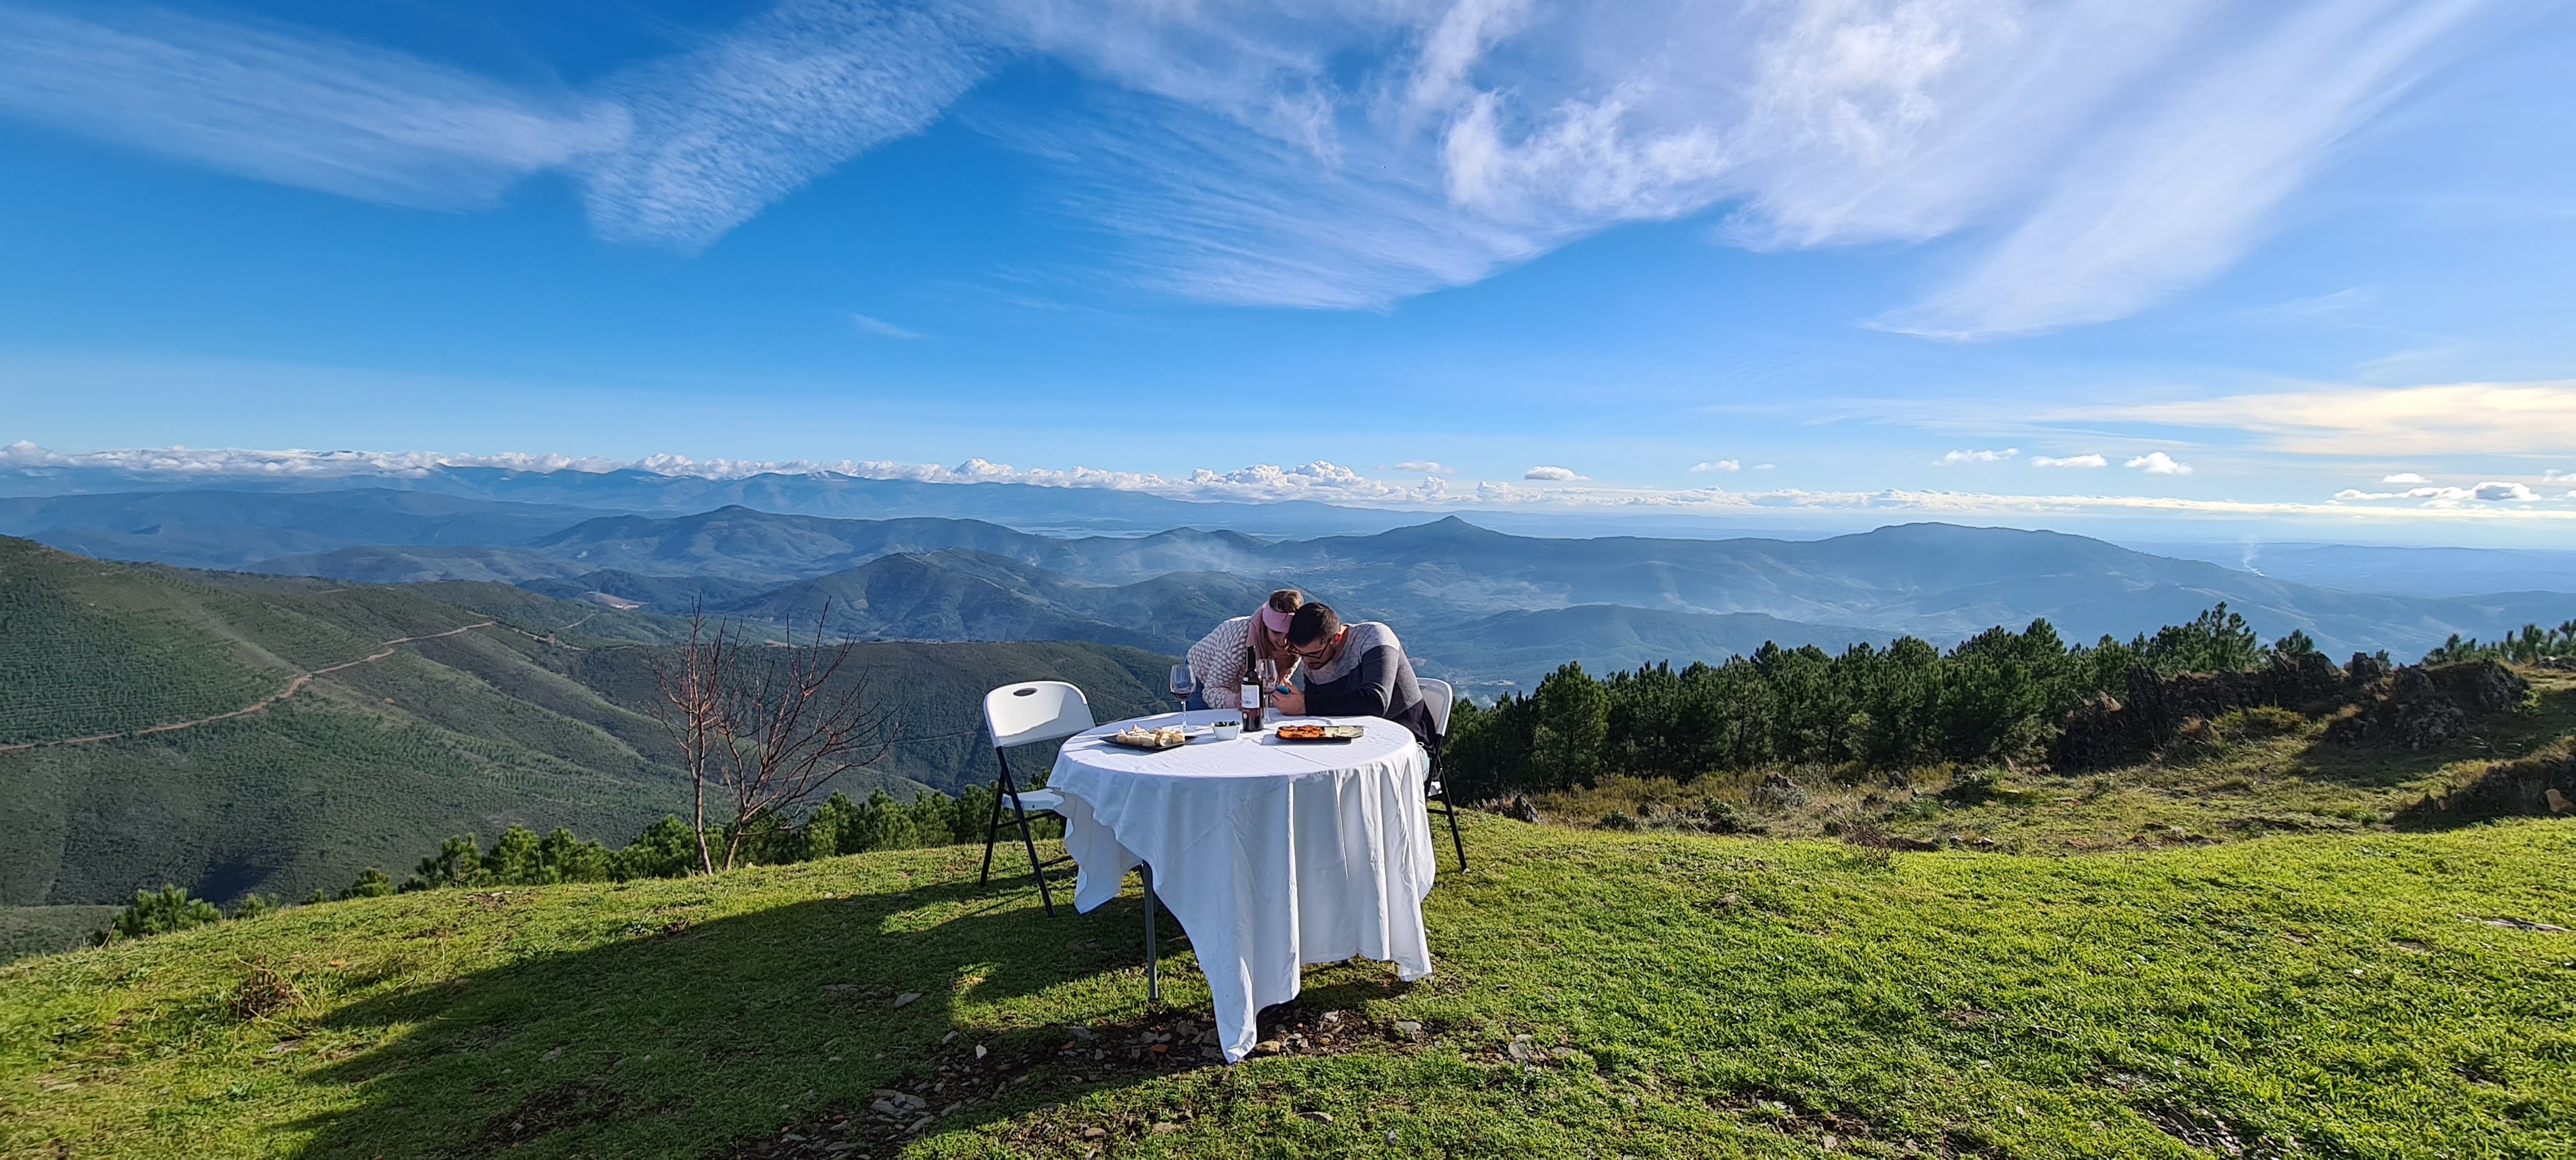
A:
<point x="1271" y="854"/>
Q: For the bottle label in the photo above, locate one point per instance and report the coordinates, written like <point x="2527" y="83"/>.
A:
<point x="1251" y="696"/>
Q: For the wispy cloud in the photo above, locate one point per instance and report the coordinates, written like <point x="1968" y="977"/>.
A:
<point x="2069" y="461"/>
<point x="1351" y="155"/>
<point x="2167" y="197"/>
<point x="881" y="327"/>
<point x="1718" y="465"/>
<point x="294" y="108"/>
<point x="2159" y="463"/>
<point x="1426" y="467"/>
<point x="726" y="129"/>
<point x="1955" y="458"/>
<point x="2531" y="418"/>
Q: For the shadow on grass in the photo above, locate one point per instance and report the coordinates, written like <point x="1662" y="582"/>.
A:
<point x="679" y="1037"/>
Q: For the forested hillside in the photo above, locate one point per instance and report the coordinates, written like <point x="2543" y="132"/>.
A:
<point x="236" y="733"/>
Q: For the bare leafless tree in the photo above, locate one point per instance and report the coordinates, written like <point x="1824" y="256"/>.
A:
<point x="765" y="728"/>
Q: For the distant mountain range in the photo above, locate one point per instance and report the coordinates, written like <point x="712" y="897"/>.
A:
<point x="1483" y="608"/>
<point x="498" y="706"/>
<point x="1061" y="510"/>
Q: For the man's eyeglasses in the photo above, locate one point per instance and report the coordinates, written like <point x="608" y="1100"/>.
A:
<point x="1314" y="652"/>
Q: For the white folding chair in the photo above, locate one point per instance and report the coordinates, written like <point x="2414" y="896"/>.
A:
<point x="1438" y="696"/>
<point x="1023" y="714"/>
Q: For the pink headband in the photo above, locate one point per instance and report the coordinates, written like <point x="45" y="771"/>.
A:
<point x="1273" y="619"/>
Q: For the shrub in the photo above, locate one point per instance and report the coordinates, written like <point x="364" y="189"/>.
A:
<point x="371" y="883"/>
<point x="160" y="912"/>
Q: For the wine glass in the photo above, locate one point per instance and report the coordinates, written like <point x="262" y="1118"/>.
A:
<point x="1183" y="684"/>
<point x="1268" y="670"/>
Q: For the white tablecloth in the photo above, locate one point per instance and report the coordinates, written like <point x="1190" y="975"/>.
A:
<point x="1271" y="855"/>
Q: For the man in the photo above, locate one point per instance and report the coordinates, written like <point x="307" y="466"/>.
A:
<point x="1354" y="670"/>
<point x="1217" y="660"/>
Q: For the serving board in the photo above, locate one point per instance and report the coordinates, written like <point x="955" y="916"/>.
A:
<point x="1148" y="742"/>
<point x="1331" y="734"/>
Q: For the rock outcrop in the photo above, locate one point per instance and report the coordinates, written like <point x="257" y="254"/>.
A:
<point x="2408" y="705"/>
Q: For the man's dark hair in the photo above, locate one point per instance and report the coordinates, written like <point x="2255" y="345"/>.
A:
<point x="1287" y="600"/>
<point x="1312" y="623"/>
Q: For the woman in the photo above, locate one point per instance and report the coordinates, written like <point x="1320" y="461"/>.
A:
<point x="1354" y="670"/>
<point x="1217" y="660"/>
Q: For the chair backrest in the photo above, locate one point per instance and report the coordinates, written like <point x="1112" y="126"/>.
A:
<point x="1437" y="695"/>
<point x="1035" y="711"/>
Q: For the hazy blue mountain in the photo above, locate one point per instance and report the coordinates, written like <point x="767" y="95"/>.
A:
<point x="231" y="529"/>
<point x="1512" y="649"/>
<point x="2394" y="571"/>
<point x="958" y="594"/>
<point x="1058" y="510"/>
<point x="1938" y="581"/>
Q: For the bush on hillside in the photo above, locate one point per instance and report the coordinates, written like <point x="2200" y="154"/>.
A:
<point x="2533" y="645"/>
<point x="160" y="912"/>
<point x="666" y="849"/>
<point x="1999" y="697"/>
<point x="1995" y="697"/>
<point x="371" y="883"/>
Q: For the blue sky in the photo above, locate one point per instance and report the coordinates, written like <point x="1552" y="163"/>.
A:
<point x="2290" y="269"/>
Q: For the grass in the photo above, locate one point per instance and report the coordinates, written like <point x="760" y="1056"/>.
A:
<point x="1597" y="994"/>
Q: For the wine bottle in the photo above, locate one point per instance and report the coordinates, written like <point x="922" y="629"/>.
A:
<point x="1253" y="694"/>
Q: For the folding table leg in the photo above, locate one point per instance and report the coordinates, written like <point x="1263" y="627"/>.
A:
<point x="1153" y="970"/>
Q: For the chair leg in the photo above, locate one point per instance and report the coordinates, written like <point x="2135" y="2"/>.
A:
<point x="1440" y="777"/>
<point x="1028" y="838"/>
<point x="1153" y="964"/>
<point x="1451" y="808"/>
<point x="993" y="828"/>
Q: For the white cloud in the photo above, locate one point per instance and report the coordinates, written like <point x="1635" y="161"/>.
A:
<point x="1352" y="154"/>
<point x="2159" y="463"/>
<point x="2490" y="492"/>
<point x="1426" y="467"/>
<point x="1764" y="466"/>
<point x="2403" y="477"/>
<point x="2069" y="461"/>
<point x="1955" y="458"/>
<point x="881" y="327"/>
<point x="1322" y="481"/>
<point x="2528" y="418"/>
<point x="1718" y="465"/>
<point x="1552" y="474"/>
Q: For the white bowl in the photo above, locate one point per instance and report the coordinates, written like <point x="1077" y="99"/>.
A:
<point x="1226" y="730"/>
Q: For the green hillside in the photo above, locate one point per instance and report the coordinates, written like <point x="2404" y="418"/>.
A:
<point x="413" y="712"/>
<point x="1597" y="994"/>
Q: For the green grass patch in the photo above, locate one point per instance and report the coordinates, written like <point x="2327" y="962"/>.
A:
<point x="1597" y="994"/>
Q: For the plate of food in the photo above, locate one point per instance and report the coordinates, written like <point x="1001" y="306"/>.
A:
<point x="1308" y="732"/>
<point x="1139" y="737"/>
